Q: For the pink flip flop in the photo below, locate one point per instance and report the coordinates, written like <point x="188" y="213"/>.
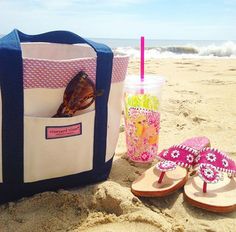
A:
<point x="171" y="173"/>
<point x="212" y="187"/>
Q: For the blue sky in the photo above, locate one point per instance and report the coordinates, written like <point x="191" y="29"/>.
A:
<point x="155" y="19"/>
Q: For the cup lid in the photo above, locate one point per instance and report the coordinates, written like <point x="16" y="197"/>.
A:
<point x="134" y="81"/>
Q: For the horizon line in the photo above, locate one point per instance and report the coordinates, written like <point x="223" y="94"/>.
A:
<point x="149" y="39"/>
<point x="162" y="39"/>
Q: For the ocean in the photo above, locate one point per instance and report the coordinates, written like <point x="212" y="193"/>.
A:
<point x="173" y="48"/>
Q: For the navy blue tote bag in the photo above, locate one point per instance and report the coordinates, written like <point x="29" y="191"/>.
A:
<point x="34" y="71"/>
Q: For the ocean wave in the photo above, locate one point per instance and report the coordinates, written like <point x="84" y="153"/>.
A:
<point x="180" y="50"/>
<point x="227" y="49"/>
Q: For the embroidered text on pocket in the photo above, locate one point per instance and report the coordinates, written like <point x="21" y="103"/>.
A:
<point x="55" y="132"/>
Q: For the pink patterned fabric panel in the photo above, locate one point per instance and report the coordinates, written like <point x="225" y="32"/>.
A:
<point x="216" y="158"/>
<point x="57" y="74"/>
<point x="182" y="155"/>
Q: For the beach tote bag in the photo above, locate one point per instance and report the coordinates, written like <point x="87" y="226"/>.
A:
<point x="39" y="152"/>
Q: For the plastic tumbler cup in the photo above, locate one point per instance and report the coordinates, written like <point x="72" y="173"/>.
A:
<point x="142" y="117"/>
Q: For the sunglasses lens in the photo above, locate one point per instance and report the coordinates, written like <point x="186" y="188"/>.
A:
<point x="79" y="94"/>
<point x="87" y="95"/>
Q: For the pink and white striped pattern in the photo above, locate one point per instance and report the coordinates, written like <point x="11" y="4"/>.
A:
<point x="56" y="74"/>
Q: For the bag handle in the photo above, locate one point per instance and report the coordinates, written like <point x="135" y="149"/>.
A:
<point x="64" y="37"/>
<point x="11" y="80"/>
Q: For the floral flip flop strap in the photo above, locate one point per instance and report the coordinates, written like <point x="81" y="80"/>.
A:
<point x="181" y="155"/>
<point x="210" y="162"/>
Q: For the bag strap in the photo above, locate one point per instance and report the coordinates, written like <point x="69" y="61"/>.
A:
<point x="11" y="80"/>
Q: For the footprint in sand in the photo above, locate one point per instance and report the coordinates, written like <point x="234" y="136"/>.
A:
<point x="183" y="63"/>
<point x="180" y="126"/>
<point x="217" y="82"/>
<point x="186" y="92"/>
<point x="198" y="120"/>
<point x="218" y="74"/>
<point x="193" y="70"/>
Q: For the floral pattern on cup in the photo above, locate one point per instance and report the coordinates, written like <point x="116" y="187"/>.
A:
<point x="142" y="128"/>
<point x="145" y="156"/>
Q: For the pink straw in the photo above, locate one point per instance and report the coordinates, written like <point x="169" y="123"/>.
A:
<point x="142" y="59"/>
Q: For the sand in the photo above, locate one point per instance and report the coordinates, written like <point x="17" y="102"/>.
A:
<point x="199" y="98"/>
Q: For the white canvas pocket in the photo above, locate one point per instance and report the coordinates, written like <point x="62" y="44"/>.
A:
<point x="56" y="147"/>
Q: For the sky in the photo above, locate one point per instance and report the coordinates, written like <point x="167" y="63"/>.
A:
<point x="155" y="19"/>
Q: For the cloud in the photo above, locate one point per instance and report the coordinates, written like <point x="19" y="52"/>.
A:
<point x="88" y="16"/>
<point x="117" y="18"/>
<point x="84" y="17"/>
<point x="88" y="5"/>
<point x="69" y="4"/>
<point x="87" y="8"/>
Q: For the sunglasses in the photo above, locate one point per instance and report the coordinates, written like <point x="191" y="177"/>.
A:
<point x="79" y="94"/>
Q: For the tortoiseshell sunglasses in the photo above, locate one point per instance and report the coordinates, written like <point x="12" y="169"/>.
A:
<point x="79" y="94"/>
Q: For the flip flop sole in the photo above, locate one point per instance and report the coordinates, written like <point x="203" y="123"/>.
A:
<point x="147" y="184"/>
<point x="219" y="198"/>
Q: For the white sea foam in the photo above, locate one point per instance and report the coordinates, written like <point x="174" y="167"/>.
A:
<point x="225" y="50"/>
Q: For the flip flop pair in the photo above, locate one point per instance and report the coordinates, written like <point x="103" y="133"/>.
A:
<point x="174" y="169"/>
